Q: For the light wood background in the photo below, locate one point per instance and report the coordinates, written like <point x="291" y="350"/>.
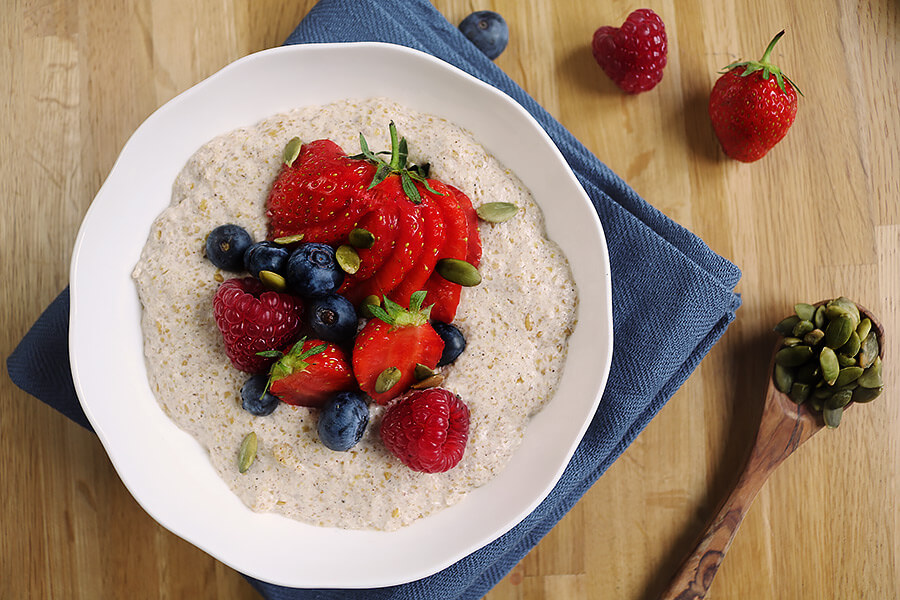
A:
<point x="816" y="218"/>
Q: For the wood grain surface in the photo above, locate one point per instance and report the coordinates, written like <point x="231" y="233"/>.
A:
<point x="817" y="217"/>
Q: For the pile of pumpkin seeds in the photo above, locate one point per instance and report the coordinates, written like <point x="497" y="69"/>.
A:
<point x="830" y="357"/>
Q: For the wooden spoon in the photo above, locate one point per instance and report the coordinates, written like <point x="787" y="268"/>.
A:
<point x="783" y="427"/>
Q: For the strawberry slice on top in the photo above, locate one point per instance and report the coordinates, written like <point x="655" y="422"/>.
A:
<point x="309" y="373"/>
<point x="390" y="346"/>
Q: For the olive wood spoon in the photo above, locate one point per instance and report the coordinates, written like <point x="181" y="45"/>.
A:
<point x="783" y="426"/>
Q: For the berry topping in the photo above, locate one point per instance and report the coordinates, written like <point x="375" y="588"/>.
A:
<point x="487" y="30"/>
<point x="255" y="397"/>
<point x="390" y="346"/>
<point x="265" y="256"/>
<point x="225" y="247"/>
<point x="752" y="106"/>
<point x="427" y="430"/>
<point x="313" y="270"/>
<point x="633" y="55"/>
<point x="253" y="319"/>
<point x="454" y="342"/>
<point x="309" y="373"/>
<point x="332" y="318"/>
<point x="343" y="420"/>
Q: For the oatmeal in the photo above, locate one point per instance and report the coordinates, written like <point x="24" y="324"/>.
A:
<point x="516" y="323"/>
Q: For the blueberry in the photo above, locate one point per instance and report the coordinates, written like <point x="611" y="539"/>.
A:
<point x="225" y="247"/>
<point x="487" y="30"/>
<point x="332" y="318"/>
<point x="343" y="420"/>
<point x="254" y="397"/>
<point x="313" y="270"/>
<point x="265" y="256"/>
<point x="454" y="342"/>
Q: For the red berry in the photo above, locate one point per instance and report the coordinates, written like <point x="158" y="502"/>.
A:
<point x="427" y="430"/>
<point x="633" y="55"/>
<point x="752" y="106"/>
<point x="253" y="319"/>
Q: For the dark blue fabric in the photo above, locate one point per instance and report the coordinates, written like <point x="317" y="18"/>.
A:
<point x="672" y="300"/>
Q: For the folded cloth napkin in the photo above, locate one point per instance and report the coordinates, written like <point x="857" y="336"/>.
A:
<point x="672" y="300"/>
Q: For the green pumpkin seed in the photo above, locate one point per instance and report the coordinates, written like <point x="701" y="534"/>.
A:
<point x="366" y="307"/>
<point x="458" y="271"/>
<point x="847" y="375"/>
<point x="429" y="382"/>
<point x="808" y="372"/>
<point x="497" y="212"/>
<point x="832" y="417"/>
<point x="814" y="337"/>
<point x="786" y="326"/>
<point x="868" y="350"/>
<point x="273" y="281"/>
<point x="291" y="151"/>
<point x="805" y="311"/>
<point x="802" y="328"/>
<point x="387" y="379"/>
<point x="793" y="356"/>
<point x="865" y="326"/>
<point x="839" y="399"/>
<point x="423" y="372"/>
<point x="846" y="361"/>
<point x="823" y="393"/>
<point x="247" y="453"/>
<point x="828" y="361"/>
<point x="820" y="320"/>
<point x="799" y="393"/>
<point x="288" y="239"/>
<point x="784" y="378"/>
<point x="817" y="404"/>
<point x="347" y="259"/>
<point x="863" y="395"/>
<point x="361" y="238"/>
<point x="791" y="341"/>
<point x="838" y="331"/>
<point x="871" y="377"/>
<point x="851" y="348"/>
<point x="843" y="306"/>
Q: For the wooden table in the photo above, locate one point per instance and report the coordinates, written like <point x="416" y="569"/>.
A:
<point x="816" y="218"/>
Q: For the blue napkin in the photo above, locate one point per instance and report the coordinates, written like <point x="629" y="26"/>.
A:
<point x="672" y="300"/>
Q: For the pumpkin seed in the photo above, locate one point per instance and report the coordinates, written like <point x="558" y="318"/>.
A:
<point x="288" y="239"/>
<point x="802" y="328"/>
<point x="851" y="348"/>
<point x="808" y="372"/>
<point x="791" y="341"/>
<point x="846" y="361"/>
<point x="347" y="259"/>
<point x="814" y="337"/>
<point x="387" y="379"/>
<point x="784" y="378"/>
<point x="838" y="331"/>
<point x="429" y="382"/>
<point x="820" y="320"/>
<point x="817" y="404"/>
<point x="458" y="271"/>
<point x="423" y="372"/>
<point x="847" y="375"/>
<point x="291" y="151"/>
<point x="361" y="238"/>
<point x="799" y="393"/>
<point x="832" y="416"/>
<point x="793" y="356"/>
<point x="868" y="350"/>
<point x="805" y="311"/>
<point x="865" y="326"/>
<point x="273" y="281"/>
<point x="367" y="304"/>
<point x="842" y="306"/>
<point x="823" y="393"/>
<point x="497" y="212"/>
<point x="786" y="326"/>
<point x="247" y="453"/>
<point x="863" y="395"/>
<point x="828" y="361"/>
<point x="839" y="399"/>
<point x="871" y="377"/>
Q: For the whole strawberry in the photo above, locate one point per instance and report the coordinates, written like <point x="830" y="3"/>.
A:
<point x="752" y="106"/>
<point x="633" y="55"/>
<point x="309" y="373"/>
<point x="253" y="319"/>
<point x="427" y="430"/>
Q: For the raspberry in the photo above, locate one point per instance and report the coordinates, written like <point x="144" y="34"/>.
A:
<point x="427" y="430"/>
<point x="253" y="319"/>
<point x="634" y="55"/>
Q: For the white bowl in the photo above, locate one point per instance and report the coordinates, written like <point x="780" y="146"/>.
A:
<point x="166" y="470"/>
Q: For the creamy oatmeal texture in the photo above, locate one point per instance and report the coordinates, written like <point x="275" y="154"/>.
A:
<point x="516" y="321"/>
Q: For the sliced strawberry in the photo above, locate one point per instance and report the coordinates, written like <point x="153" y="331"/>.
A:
<point x="309" y="373"/>
<point x="390" y="346"/>
<point x="436" y="238"/>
